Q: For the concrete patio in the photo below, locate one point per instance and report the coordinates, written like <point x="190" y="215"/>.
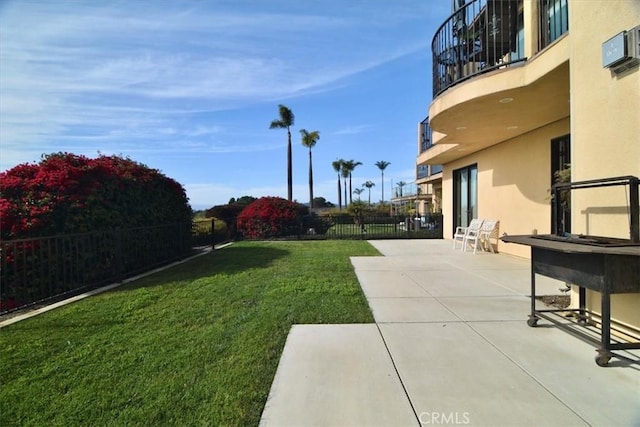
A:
<point x="450" y="346"/>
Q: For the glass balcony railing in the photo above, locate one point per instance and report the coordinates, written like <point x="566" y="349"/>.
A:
<point x="408" y="190"/>
<point x="405" y="190"/>
<point x="478" y="37"/>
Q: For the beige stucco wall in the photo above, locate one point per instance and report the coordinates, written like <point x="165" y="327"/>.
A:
<point x="605" y="129"/>
<point x="513" y="184"/>
<point x="604" y="123"/>
<point x="605" y="113"/>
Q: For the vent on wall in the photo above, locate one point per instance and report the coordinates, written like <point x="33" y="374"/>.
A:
<point x="622" y="52"/>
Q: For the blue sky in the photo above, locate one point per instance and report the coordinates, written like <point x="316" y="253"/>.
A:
<point x="190" y="87"/>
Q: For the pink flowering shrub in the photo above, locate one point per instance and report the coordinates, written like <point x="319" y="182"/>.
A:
<point x="68" y="193"/>
<point x="269" y="217"/>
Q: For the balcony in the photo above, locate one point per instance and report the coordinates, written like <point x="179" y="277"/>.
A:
<point x="408" y="191"/>
<point x="425" y="171"/>
<point x="484" y="35"/>
<point x="425" y="136"/>
<point x="481" y="36"/>
<point x="507" y="102"/>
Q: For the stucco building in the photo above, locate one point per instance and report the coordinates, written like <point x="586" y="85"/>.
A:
<point x="526" y="88"/>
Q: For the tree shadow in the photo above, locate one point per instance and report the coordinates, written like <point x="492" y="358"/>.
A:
<point x="230" y="260"/>
<point x="227" y="261"/>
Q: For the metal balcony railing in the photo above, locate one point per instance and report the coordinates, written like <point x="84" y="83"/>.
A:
<point x="480" y="36"/>
<point x="425" y="135"/>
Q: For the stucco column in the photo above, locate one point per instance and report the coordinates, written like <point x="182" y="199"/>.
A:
<point x="531" y="27"/>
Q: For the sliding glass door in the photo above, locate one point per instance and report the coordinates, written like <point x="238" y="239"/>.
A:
<point x="465" y="195"/>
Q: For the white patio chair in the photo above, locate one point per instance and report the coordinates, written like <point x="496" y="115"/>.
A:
<point x="482" y="237"/>
<point x="492" y="231"/>
<point x="461" y="232"/>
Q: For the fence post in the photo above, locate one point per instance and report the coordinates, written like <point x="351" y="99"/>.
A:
<point x="213" y="236"/>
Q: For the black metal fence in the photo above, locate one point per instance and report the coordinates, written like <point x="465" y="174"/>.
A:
<point x="43" y="269"/>
<point x="366" y="227"/>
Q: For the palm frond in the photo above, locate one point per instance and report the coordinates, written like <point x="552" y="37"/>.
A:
<point x="382" y="165"/>
<point x="277" y="124"/>
<point x="309" y="139"/>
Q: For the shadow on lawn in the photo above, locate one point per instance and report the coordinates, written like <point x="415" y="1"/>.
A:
<point x="234" y="259"/>
<point x="230" y="260"/>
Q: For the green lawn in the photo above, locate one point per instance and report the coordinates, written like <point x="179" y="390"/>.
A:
<point x="197" y="344"/>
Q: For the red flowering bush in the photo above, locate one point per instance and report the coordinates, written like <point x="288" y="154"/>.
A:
<point x="270" y="217"/>
<point x="68" y="193"/>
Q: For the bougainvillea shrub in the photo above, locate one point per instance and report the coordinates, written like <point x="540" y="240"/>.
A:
<point x="89" y="220"/>
<point x="270" y="217"/>
<point x="68" y="193"/>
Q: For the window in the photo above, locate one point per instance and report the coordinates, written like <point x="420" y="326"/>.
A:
<point x="554" y="20"/>
<point x="465" y="195"/>
<point x="558" y="18"/>
<point x="518" y="52"/>
<point x="422" y="172"/>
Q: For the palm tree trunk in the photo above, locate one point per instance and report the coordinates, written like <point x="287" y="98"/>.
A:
<point x="289" y="168"/>
<point x="345" y="191"/>
<point x="350" y="190"/>
<point x="369" y="196"/>
<point x="383" y="187"/>
<point x="339" y="194"/>
<point x="310" y="180"/>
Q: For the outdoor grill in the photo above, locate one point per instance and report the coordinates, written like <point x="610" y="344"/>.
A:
<point x="603" y="264"/>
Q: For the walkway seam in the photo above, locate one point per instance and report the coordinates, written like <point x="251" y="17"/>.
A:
<point x="395" y="368"/>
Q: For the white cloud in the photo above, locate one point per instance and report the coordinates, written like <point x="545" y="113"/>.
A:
<point x="352" y="130"/>
<point x="133" y="77"/>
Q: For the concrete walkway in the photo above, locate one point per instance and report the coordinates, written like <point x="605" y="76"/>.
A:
<point x="450" y="346"/>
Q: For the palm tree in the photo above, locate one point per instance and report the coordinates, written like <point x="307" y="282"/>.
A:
<point x="382" y="165"/>
<point x="345" y="174"/>
<point x="358" y="191"/>
<point x="337" y="166"/>
<point x="309" y="140"/>
<point x="350" y="165"/>
<point x="369" y="184"/>
<point x="285" y="122"/>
